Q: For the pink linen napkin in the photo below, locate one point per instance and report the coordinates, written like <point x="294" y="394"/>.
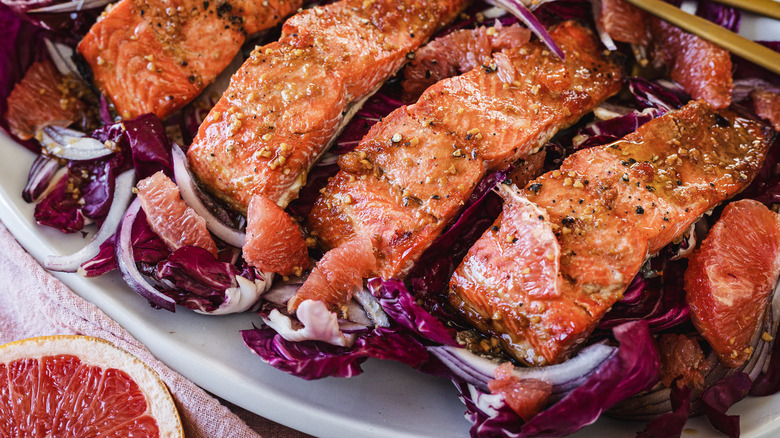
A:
<point x="34" y="303"/>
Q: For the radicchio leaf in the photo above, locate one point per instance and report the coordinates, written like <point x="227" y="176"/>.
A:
<point x="399" y="304"/>
<point x="59" y="209"/>
<point x="148" y="249"/>
<point x="89" y="190"/>
<point x="719" y="14"/>
<point x="671" y="423"/>
<point x="198" y="280"/>
<point x="634" y="368"/>
<point x="659" y="302"/>
<point x="314" y="360"/>
<point x="719" y="397"/>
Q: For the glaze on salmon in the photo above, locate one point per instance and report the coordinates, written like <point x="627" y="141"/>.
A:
<point x="156" y="56"/>
<point x="412" y="173"/>
<point x="291" y="97"/>
<point x="609" y="207"/>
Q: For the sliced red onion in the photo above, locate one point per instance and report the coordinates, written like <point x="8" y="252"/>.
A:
<point x="371" y="308"/>
<point x="744" y="86"/>
<point x="71" y="6"/>
<point x="319" y="324"/>
<point x="189" y="192"/>
<point x="62" y="57"/>
<point x="519" y="10"/>
<point x="349" y="327"/>
<point x="241" y="298"/>
<point x="72" y="145"/>
<point x="281" y="293"/>
<point x="128" y="268"/>
<point x="123" y="192"/>
<point x="42" y="173"/>
<point x="564" y="377"/>
<point x="603" y="35"/>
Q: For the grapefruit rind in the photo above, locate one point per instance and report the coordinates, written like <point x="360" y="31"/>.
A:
<point x="100" y="353"/>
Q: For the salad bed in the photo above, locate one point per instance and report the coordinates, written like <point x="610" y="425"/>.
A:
<point x="201" y="283"/>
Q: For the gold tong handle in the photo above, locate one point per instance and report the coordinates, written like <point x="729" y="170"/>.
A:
<point x="769" y="8"/>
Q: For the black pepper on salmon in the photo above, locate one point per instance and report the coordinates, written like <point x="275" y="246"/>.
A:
<point x="567" y="246"/>
<point x="290" y="98"/>
<point x="412" y="173"/>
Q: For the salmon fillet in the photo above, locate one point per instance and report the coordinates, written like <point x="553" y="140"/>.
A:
<point x="609" y="207"/>
<point x="291" y="97"/>
<point x="413" y="172"/>
<point x="156" y="56"/>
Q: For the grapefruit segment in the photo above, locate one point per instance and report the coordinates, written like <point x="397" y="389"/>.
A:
<point x="527" y="397"/>
<point x="43" y="97"/>
<point x="337" y="275"/>
<point x="699" y="66"/>
<point x="623" y="21"/>
<point x="730" y="277"/>
<point x="170" y="218"/>
<point x="76" y="386"/>
<point x="274" y="242"/>
<point x="767" y="106"/>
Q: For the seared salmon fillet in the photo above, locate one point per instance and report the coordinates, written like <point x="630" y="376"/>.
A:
<point x="156" y="56"/>
<point x="412" y="173"/>
<point x="291" y="97"/>
<point x="608" y="207"/>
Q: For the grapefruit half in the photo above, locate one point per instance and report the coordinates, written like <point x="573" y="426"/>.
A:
<point x="78" y="386"/>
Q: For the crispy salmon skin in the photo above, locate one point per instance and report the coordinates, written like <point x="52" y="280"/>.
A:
<point x="156" y="56"/>
<point x="290" y="98"/>
<point x="609" y="206"/>
<point x="414" y="170"/>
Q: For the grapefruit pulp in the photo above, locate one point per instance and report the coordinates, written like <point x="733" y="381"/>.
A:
<point x="730" y="277"/>
<point x="337" y="275"/>
<point x="274" y="242"/>
<point x="170" y="218"/>
<point x="78" y="386"/>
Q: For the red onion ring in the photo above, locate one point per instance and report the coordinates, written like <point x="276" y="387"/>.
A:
<point x="42" y="173"/>
<point x="189" y="192"/>
<point x="563" y="377"/>
<point x="519" y="10"/>
<point x="656" y="401"/>
<point x="72" y="145"/>
<point x="126" y="262"/>
<point x="123" y="192"/>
